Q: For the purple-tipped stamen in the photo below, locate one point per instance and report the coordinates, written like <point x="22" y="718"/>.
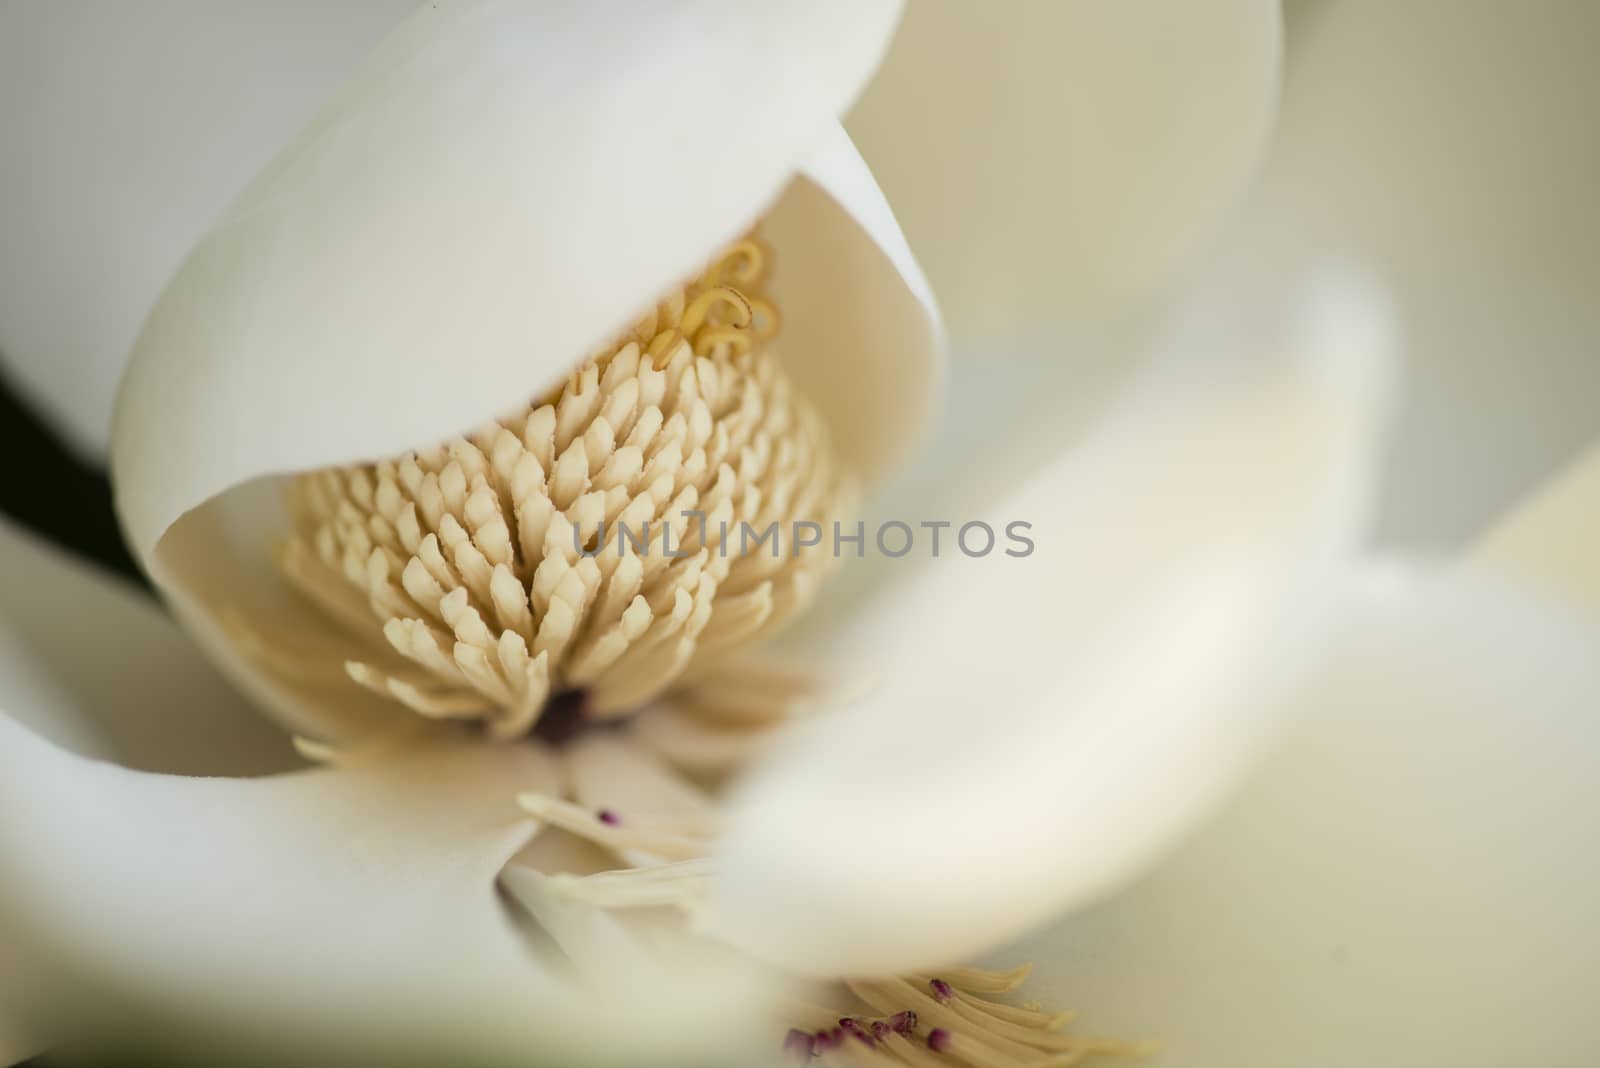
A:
<point x="942" y="990"/>
<point x="903" y="1022"/>
<point x="608" y="817"/>
<point x="799" y="1043"/>
<point x="939" y="1040"/>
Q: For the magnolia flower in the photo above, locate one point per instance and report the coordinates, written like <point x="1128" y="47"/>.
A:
<point x="988" y="744"/>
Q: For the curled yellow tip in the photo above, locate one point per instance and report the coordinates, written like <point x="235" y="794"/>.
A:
<point x="313" y="750"/>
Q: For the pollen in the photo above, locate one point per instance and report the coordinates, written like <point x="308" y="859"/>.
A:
<point x="595" y="541"/>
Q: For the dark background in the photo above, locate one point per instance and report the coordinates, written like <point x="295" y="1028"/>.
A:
<point x="51" y="492"/>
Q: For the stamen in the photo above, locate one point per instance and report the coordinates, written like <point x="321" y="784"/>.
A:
<point x="979" y="981"/>
<point x="676" y="884"/>
<point x="314" y="751"/>
<point x="495" y="571"/>
<point x="617" y="837"/>
<point x="923" y="1021"/>
<point x="978" y="1032"/>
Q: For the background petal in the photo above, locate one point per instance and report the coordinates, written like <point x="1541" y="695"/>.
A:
<point x="128" y="128"/>
<point x="1048" y="158"/>
<point x="1452" y="146"/>
<point x="1041" y="727"/>
<point x="1410" y="879"/>
<point x="96" y="666"/>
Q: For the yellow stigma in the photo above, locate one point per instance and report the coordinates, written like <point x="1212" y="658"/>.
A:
<point x="592" y="540"/>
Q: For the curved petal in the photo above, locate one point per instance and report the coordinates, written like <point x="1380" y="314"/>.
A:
<point x="1453" y="147"/>
<point x="498" y="189"/>
<point x="1046" y="725"/>
<point x="1410" y="878"/>
<point x="1550" y="539"/>
<point x="95" y="666"/>
<point x="127" y="130"/>
<point x="349" y="910"/>
<point x="308" y="328"/>
<point x="1049" y="158"/>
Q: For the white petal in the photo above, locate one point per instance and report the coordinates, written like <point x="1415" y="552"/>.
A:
<point x="128" y="128"/>
<point x="1047" y="158"/>
<point x="1552" y="539"/>
<point x="323" y="323"/>
<point x="1048" y="724"/>
<point x="861" y="333"/>
<point x="94" y="665"/>
<point x="1452" y="147"/>
<point x="1409" y="880"/>
<point x="351" y="908"/>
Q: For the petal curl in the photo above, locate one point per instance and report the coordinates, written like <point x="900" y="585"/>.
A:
<point x="1410" y="878"/>
<point x="1044" y="726"/>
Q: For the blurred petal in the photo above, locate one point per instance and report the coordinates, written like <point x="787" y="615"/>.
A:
<point x="1410" y="879"/>
<point x="1049" y="157"/>
<point x="350" y="910"/>
<point x="1551" y="540"/>
<point x="1453" y="147"/>
<point x="95" y="666"/>
<point x="128" y="128"/>
<point x="1047" y="725"/>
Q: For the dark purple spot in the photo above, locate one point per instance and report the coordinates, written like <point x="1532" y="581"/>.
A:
<point x="903" y="1023"/>
<point x="939" y="1040"/>
<point x="798" y="1043"/>
<point x="942" y="990"/>
<point x="880" y="1029"/>
<point x="849" y="1024"/>
<point x="607" y="817"/>
<point x="565" y="716"/>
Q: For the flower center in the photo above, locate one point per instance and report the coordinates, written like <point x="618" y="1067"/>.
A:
<point x="610" y="538"/>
